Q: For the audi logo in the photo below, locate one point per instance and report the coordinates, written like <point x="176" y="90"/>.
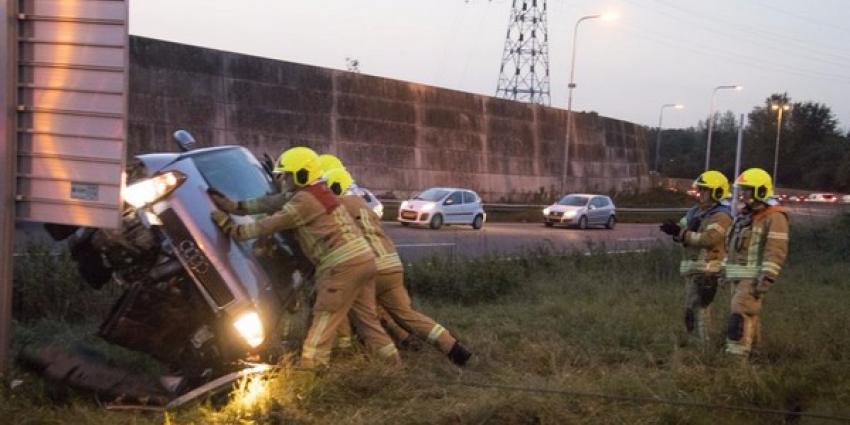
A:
<point x="193" y="257"/>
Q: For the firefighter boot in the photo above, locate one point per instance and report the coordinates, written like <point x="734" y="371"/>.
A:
<point x="459" y="354"/>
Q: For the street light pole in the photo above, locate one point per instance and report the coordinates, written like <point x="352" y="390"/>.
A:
<point x="779" y="109"/>
<point x="711" y="121"/>
<point x="658" y="136"/>
<point x="570" y="87"/>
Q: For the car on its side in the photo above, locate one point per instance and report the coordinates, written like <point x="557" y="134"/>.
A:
<point x="581" y="210"/>
<point x="443" y="205"/>
<point x="371" y="200"/>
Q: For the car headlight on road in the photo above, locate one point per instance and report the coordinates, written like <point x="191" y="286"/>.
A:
<point x="148" y="191"/>
<point x="379" y="210"/>
<point x="403" y="205"/>
<point x="250" y="327"/>
<point x="546" y="211"/>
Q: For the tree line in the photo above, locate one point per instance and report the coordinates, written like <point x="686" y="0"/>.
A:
<point x="814" y="154"/>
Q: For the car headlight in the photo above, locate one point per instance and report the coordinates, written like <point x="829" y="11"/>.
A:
<point x="251" y="328"/>
<point x="403" y="205"/>
<point x="379" y="210"/>
<point x="569" y="214"/>
<point x="147" y="191"/>
<point x="546" y="211"/>
<point x="427" y="207"/>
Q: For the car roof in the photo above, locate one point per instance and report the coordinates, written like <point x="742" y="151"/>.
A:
<point x="449" y="188"/>
<point x="589" y="195"/>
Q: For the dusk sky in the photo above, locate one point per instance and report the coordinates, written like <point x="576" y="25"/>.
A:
<point x="658" y="51"/>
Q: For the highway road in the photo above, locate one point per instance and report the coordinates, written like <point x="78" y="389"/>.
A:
<point x="517" y="238"/>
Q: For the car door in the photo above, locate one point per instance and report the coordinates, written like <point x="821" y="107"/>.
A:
<point x="453" y="208"/>
<point x="596" y="215"/>
<point x="470" y="206"/>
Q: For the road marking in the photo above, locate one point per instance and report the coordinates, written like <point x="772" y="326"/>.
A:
<point x="422" y="245"/>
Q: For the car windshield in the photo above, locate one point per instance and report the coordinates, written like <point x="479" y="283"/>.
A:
<point x="233" y="173"/>
<point x="432" y="195"/>
<point x="573" y="201"/>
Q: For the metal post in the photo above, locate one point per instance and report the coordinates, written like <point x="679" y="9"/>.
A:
<point x="776" y="149"/>
<point x="658" y="137"/>
<point x="711" y="115"/>
<point x="570" y="87"/>
<point x="8" y="156"/>
<point x="737" y="166"/>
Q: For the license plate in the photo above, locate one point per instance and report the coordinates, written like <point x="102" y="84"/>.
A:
<point x="409" y="215"/>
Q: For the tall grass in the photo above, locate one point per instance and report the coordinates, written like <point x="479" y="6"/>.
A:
<point x="602" y="324"/>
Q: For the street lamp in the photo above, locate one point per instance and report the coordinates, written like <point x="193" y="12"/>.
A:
<point x="571" y="86"/>
<point x="779" y="108"/>
<point x="658" y="137"/>
<point x="711" y="120"/>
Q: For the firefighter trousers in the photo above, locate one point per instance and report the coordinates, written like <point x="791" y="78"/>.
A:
<point x="744" y="327"/>
<point x="700" y="290"/>
<point x="348" y="287"/>
<point x="393" y="297"/>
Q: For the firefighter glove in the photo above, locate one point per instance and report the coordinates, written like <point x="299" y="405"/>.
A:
<point x="671" y="228"/>
<point x="761" y="286"/>
<point x="222" y="201"/>
<point x="223" y="221"/>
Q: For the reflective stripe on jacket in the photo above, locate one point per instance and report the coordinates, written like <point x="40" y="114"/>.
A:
<point x="387" y="259"/>
<point x="704" y="248"/>
<point x="757" y="244"/>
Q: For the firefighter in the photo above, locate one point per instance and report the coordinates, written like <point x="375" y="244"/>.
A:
<point x="389" y="284"/>
<point x="756" y="248"/>
<point x="702" y="233"/>
<point x="344" y="262"/>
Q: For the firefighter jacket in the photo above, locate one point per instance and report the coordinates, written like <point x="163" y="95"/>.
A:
<point x="325" y="232"/>
<point x="387" y="259"/>
<point x="757" y="244"/>
<point x="703" y="238"/>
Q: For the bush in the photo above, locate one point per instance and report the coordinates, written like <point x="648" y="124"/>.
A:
<point x="465" y="281"/>
<point x="47" y="286"/>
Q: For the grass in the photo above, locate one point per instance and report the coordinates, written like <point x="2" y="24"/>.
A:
<point x="585" y="323"/>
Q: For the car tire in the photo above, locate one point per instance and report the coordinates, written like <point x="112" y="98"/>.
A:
<point x="582" y="222"/>
<point x="404" y="223"/>
<point x="612" y="222"/>
<point x="548" y="223"/>
<point x="478" y="222"/>
<point x="436" y="221"/>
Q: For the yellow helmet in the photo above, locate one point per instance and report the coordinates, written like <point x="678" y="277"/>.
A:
<point x="339" y="180"/>
<point x="302" y="162"/>
<point x="714" y="181"/>
<point x="759" y="180"/>
<point x="329" y="162"/>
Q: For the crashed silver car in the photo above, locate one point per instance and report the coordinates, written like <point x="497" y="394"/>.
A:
<point x="195" y="299"/>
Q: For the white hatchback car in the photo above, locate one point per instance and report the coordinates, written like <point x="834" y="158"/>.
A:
<point x="443" y="205"/>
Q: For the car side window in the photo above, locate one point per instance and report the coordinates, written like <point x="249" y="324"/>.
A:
<point x="455" y="199"/>
<point x="469" y="198"/>
<point x="598" y="202"/>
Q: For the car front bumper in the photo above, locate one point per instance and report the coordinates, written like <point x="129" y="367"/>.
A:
<point x="560" y="219"/>
<point x="414" y="217"/>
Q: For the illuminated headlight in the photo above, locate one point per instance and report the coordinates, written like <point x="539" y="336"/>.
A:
<point x="148" y="191"/>
<point x="427" y="207"/>
<point x="546" y="211"/>
<point x="379" y="210"/>
<point x="251" y="328"/>
<point x="403" y="205"/>
<point x="569" y="214"/>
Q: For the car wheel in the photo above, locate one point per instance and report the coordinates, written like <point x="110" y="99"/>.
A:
<point x="478" y="222"/>
<point x="582" y="223"/>
<point x="404" y="223"/>
<point x="611" y="223"/>
<point x="437" y="221"/>
<point x="548" y="223"/>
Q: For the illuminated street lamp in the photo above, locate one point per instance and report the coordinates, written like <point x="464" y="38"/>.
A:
<point x="711" y="120"/>
<point x="779" y="108"/>
<point x="658" y="137"/>
<point x="571" y="86"/>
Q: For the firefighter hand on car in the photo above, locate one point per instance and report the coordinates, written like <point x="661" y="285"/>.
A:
<point x="344" y="262"/>
<point x="757" y="246"/>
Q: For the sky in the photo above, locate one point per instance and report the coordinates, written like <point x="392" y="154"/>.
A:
<point x="655" y="52"/>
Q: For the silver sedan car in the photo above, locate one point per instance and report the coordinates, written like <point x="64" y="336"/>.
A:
<point x="581" y="210"/>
